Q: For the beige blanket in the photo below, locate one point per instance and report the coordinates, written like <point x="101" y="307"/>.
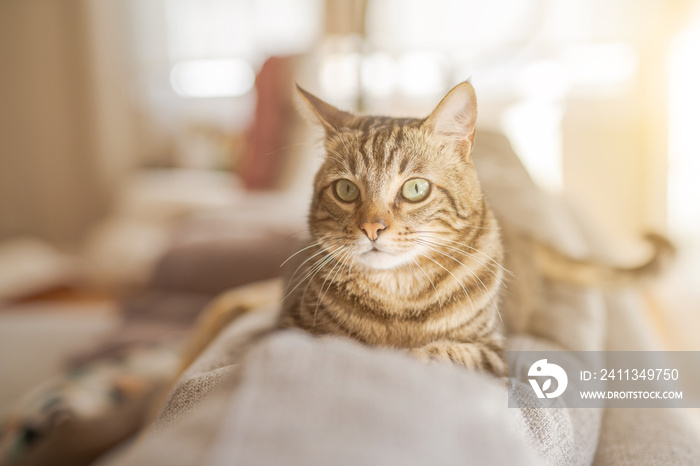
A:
<point x="293" y="399"/>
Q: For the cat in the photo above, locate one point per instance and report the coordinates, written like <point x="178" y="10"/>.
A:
<point x="405" y="251"/>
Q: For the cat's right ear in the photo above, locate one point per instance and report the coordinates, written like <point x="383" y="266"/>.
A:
<point x="455" y="116"/>
<point x="321" y="112"/>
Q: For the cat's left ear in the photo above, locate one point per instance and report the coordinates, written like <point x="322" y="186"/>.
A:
<point x="330" y="117"/>
<point x="455" y="115"/>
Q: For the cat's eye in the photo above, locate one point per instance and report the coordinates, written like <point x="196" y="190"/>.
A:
<point x="415" y="190"/>
<point x="346" y="190"/>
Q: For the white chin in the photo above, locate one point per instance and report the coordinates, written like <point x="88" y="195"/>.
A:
<point x="379" y="260"/>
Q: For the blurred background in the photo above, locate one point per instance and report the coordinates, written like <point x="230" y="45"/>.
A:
<point x="136" y="135"/>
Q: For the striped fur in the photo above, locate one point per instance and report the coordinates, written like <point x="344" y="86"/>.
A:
<point x="430" y="282"/>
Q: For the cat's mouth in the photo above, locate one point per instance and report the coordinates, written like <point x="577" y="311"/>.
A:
<point x="375" y="250"/>
<point x="375" y="253"/>
<point x="380" y="259"/>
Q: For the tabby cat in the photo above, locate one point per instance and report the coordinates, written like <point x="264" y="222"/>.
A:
<point x="405" y="252"/>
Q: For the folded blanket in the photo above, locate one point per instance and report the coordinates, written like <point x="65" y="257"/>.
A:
<point x="297" y="400"/>
<point x="293" y="399"/>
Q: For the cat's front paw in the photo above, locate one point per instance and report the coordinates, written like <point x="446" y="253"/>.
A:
<point x="469" y="355"/>
<point x="429" y="353"/>
<point x="421" y="354"/>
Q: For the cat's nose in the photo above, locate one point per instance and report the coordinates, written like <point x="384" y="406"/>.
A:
<point x="372" y="229"/>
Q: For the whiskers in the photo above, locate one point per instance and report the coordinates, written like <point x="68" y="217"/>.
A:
<point x="441" y="241"/>
<point x="328" y="254"/>
<point x="437" y="295"/>
<point x="445" y="247"/>
<point x="340" y="262"/>
<point x="312" y="245"/>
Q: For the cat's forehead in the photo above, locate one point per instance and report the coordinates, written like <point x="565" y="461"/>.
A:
<point x="378" y="148"/>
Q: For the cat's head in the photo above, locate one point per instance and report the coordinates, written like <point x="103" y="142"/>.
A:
<point x="390" y="188"/>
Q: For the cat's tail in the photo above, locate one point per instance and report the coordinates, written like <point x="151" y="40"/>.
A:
<point x="557" y="265"/>
<point x="223" y="310"/>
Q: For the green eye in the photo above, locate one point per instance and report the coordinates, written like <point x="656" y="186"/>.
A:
<point x="346" y="190"/>
<point x="416" y="189"/>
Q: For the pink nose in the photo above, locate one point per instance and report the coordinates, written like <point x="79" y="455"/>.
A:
<point x="372" y="229"/>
